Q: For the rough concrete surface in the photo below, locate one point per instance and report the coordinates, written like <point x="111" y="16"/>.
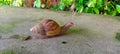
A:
<point x="91" y="34"/>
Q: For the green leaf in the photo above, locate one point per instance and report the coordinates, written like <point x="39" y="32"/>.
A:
<point x="88" y="10"/>
<point x="42" y="5"/>
<point x="96" y="10"/>
<point x="91" y="4"/>
<point x="62" y="6"/>
<point x="118" y="8"/>
<point x="56" y="7"/>
<point x="80" y="8"/>
<point x="80" y="1"/>
<point x="17" y="3"/>
<point x="37" y="4"/>
<point x="113" y="13"/>
<point x="100" y="3"/>
<point x="66" y="3"/>
<point x="94" y="1"/>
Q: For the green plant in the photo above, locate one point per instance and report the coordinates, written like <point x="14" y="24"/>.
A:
<point x="5" y="2"/>
<point x="118" y="8"/>
<point x="63" y="4"/>
<point x="98" y="7"/>
<point x="17" y="3"/>
<point x="79" y="5"/>
<point x="37" y="4"/>
<point x="105" y="7"/>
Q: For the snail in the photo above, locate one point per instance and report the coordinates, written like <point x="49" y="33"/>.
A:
<point x="50" y="28"/>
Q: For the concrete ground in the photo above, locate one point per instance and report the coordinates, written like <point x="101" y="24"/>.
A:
<point x="91" y="34"/>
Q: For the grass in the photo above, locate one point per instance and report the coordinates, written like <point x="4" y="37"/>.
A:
<point x="7" y="52"/>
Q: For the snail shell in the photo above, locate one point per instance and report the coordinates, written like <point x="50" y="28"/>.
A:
<point x="51" y="27"/>
<point x="47" y="27"/>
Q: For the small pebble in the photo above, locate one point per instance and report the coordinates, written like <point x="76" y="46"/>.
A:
<point x="22" y="47"/>
<point x="64" y="42"/>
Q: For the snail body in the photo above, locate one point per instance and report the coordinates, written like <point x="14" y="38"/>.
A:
<point x="50" y="28"/>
